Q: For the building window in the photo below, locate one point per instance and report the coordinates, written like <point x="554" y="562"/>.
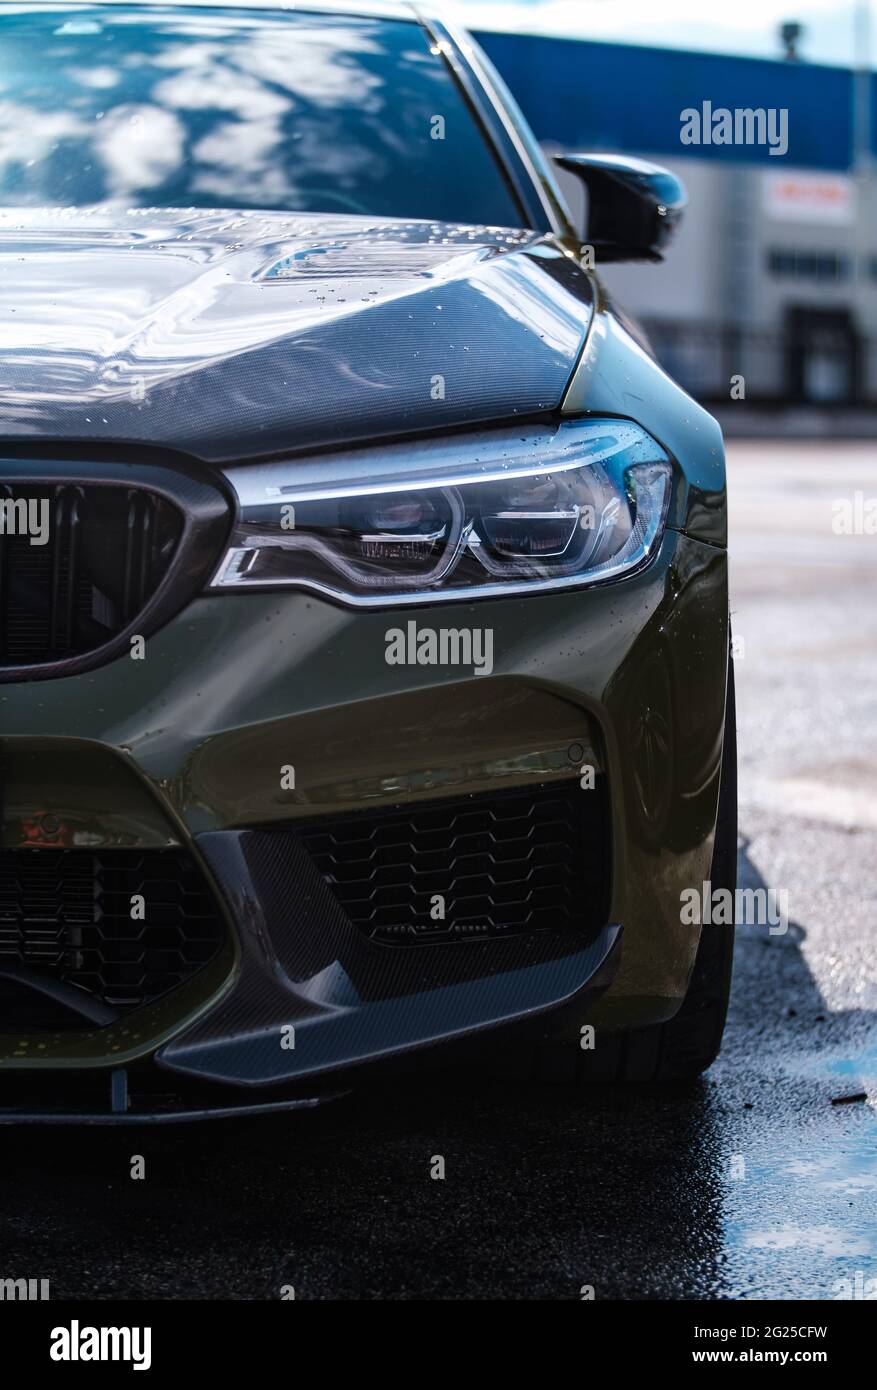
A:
<point x="823" y="266"/>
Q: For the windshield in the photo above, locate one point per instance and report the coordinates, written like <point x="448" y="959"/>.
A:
<point x="205" y="108"/>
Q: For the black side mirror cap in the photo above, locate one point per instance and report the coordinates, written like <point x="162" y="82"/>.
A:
<point x="633" y="207"/>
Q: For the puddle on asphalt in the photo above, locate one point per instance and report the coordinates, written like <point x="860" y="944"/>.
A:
<point x="803" y="1224"/>
<point x="822" y="1240"/>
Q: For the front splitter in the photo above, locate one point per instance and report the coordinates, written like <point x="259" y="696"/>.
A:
<point x="169" y="1116"/>
<point x="313" y="997"/>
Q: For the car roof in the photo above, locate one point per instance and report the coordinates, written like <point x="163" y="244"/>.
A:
<point x="387" y="9"/>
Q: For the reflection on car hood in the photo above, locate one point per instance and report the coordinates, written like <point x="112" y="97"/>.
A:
<point x="232" y="335"/>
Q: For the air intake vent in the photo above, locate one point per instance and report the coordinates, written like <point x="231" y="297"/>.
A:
<point x="65" y="916"/>
<point x="496" y="866"/>
<point x="78" y="562"/>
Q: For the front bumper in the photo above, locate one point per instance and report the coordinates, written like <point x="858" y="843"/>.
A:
<point x="189" y="747"/>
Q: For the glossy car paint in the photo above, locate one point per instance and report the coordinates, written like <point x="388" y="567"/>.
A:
<point x="223" y="336"/>
<point x="241" y="361"/>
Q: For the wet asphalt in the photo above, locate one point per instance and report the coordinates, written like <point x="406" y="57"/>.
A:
<point x="749" y="1183"/>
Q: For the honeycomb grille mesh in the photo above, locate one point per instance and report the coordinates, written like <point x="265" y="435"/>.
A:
<point x="66" y="914"/>
<point x="503" y="864"/>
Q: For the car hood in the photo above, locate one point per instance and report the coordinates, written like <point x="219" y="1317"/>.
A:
<point x="234" y="335"/>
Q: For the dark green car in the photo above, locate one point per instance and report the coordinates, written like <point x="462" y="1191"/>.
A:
<point x="364" y="643"/>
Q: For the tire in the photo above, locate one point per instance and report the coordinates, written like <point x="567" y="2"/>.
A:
<point x="688" y="1043"/>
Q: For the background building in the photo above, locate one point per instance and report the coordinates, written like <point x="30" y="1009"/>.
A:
<point x="774" y="271"/>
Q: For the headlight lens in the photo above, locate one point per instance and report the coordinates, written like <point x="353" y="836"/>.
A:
<point x="462" y="517"/>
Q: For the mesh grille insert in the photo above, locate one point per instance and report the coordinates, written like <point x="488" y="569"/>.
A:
<point x="66" y="914"/>
<point x="504" y="863"/>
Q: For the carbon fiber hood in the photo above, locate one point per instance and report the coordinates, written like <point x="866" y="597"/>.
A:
<point x="234" y="335"/>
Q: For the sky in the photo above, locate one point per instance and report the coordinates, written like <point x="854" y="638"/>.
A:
<point x="747" y="27"/>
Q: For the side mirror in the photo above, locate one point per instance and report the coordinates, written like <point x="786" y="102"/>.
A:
<point x="633" y="206"/>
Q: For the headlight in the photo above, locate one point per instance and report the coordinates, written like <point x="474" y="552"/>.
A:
<point x="462" y="517"/>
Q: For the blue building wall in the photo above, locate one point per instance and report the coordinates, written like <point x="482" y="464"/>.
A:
<point x="608" y="96"/>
